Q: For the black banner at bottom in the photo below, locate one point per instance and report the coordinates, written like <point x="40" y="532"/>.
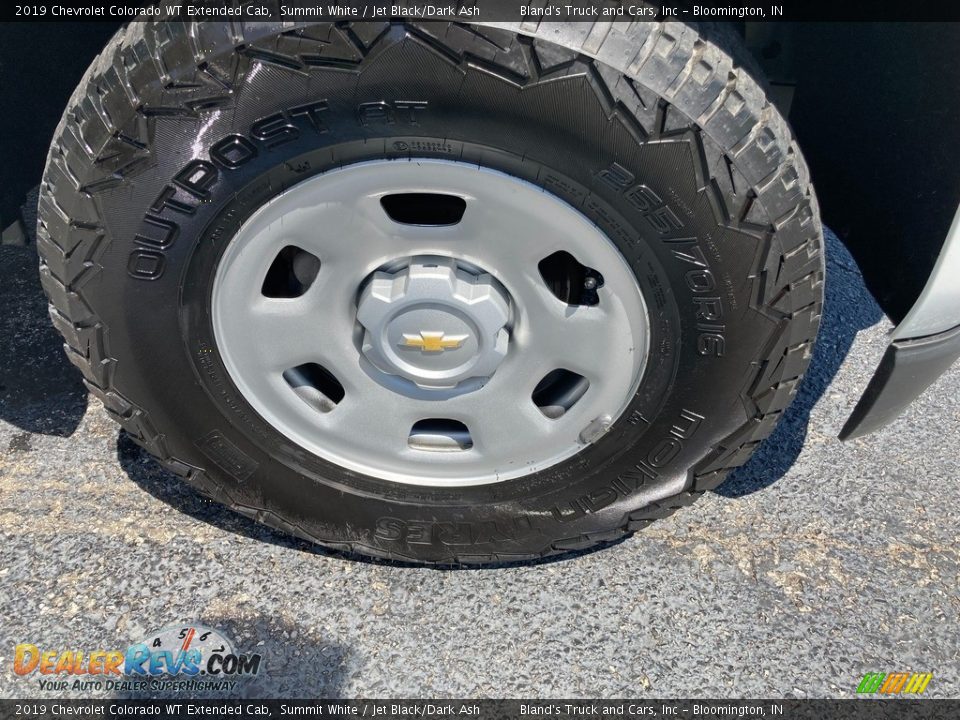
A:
<point x="854" y="709"/>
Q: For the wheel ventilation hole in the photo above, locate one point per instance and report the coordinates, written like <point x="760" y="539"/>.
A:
<point x="291" y="274"/>
<point x="315" y="385"/>
<point x="558" y="392"/>
<point x="428" y="209"/>
<point x="570" y="281"/>
<point x="439" y="435"/>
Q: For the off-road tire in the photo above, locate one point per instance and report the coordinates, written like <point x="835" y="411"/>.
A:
<point x="161" y="94"/>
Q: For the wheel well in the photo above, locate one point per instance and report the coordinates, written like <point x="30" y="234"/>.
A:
<point x="872" y="105"/>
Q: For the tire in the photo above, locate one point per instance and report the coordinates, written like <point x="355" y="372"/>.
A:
<point x="653" y="132"/>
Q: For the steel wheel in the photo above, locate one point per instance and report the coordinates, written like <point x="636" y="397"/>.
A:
<point x="430" y="322"/>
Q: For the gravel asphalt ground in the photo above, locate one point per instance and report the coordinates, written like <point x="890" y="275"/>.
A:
<point x="815" y="563"/>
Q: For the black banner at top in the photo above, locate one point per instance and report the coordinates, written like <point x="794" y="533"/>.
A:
<point x="531" y="11"/>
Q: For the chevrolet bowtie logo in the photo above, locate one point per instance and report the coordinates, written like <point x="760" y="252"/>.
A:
<point x="433" y="341"/>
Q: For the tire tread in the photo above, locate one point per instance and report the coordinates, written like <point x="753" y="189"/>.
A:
<point x="154" y="69"/>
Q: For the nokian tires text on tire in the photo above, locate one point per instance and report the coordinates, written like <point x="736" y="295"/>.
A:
<point x="434" y="292"/>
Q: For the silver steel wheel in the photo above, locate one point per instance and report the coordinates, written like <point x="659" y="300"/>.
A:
<point x="430" y="322"/>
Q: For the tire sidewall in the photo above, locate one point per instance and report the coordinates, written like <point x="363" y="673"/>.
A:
<point x="688" y="400"/>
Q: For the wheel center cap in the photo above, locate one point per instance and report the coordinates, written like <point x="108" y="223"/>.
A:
<point x="434" y="323"/>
